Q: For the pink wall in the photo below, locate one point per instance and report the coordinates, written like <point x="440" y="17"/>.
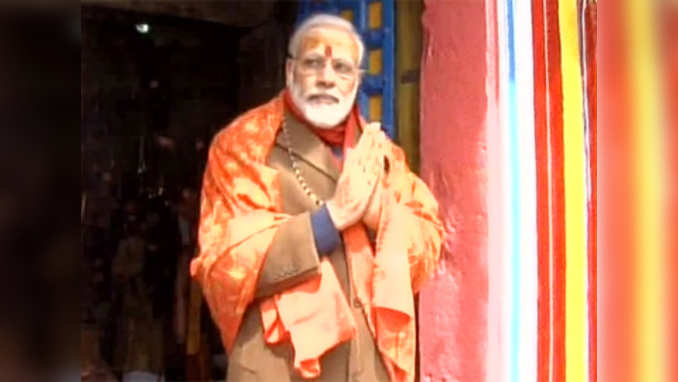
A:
<point x="454" y="109"/>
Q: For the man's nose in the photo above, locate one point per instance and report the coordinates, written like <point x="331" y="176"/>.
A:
<point x="326" y="77"/>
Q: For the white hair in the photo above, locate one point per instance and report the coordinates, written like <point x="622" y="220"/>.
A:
<point x="325" y="20"/>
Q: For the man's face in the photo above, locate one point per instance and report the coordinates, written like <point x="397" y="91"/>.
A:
<point x="324" y="75"/>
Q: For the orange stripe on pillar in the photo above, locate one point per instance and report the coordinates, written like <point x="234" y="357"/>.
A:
<point x="543" y="202"/>
<point x="550" y="191"/>
<point x="557" y="262"/>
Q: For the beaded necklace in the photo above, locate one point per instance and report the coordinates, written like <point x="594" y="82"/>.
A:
<point x="295" y="166"/>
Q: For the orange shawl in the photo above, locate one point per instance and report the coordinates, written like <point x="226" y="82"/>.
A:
<point x="240" y="212"/>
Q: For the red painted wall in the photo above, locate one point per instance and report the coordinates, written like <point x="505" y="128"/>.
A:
<point x="454" y="102"/>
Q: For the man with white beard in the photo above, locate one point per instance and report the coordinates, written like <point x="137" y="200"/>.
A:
<point x="292" y="193"/>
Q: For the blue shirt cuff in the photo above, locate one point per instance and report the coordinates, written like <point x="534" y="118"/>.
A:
<point x="325" y="234"/>
<point x="338" y="151"/>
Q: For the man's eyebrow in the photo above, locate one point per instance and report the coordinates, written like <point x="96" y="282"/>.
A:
<point x="312" y="55"/>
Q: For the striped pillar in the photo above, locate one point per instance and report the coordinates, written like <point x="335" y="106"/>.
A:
<point x="541" y="131"/>
<point x="541" y="229"/>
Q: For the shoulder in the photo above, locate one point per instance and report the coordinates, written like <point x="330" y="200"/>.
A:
<point x="256" y="127"/>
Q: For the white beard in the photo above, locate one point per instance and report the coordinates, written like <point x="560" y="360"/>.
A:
<point x="324" y="116"/>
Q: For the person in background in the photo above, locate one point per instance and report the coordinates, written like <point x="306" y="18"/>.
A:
<point x="137" y="356"/>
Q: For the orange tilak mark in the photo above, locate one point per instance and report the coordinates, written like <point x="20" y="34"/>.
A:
<point x="328" y="51"/>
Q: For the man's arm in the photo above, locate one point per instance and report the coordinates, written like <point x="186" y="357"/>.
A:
<point x="295" y="253"/>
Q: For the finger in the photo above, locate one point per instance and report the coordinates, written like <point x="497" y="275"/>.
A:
<point x="374" y="183"/>
<point x="350" y="157"/>
<point x="362" y="156"/>
<point x="366" y="141"/>
<point x="381" y="137"/>
<point x="377" y="155"/>
<point x="379" y="140"/>
<point x="373" y="127"/>
<point x="370" y="158"/>
<point x="372" y="131"/>
<point x="363" y="164"/>
<point x="371" y="182"/>
<point x="373" y="136"/>
<point x="373" y="143"/>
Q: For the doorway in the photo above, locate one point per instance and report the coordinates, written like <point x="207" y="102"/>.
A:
<point x="159" y="80"/>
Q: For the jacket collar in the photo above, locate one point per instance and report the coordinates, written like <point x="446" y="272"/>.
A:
<point x="308" y="147"/>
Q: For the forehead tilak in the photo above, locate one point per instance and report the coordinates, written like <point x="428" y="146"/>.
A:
<point x="328" y="45"/>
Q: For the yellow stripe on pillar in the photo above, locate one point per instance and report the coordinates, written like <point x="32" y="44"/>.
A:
<point x="375" y="62"/>
<point x="347" y="14"/>
<point x="374" y="15"/>
<point x="408" y="55"/>
<point x="576" y="271"/>
<point x="648" y="176"/>
<point x="375" y="108"/>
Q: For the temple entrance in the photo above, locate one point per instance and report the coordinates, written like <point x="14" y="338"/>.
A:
<point x="159" y="79"/>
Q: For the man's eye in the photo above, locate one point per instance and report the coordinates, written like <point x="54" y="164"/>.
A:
<point x="341" y="67"/>
<point x="313" y="63"/>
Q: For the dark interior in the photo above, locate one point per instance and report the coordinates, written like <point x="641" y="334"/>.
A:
<point x="158" y="81"/>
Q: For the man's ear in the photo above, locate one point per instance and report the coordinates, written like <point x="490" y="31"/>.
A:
<point x="361" y="75"/>
<point x="289" y="71"/>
